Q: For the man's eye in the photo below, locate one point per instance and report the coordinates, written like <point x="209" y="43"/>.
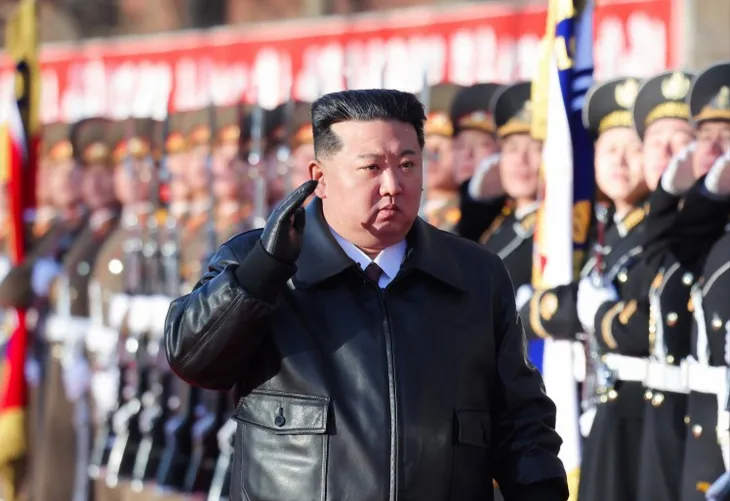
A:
<point x="408" y="165"/>
<point x="370" y="167"/>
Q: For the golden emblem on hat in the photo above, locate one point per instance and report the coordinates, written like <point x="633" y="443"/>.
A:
<point x="439" y="124"/>
<point x="626" y="92"/>
<point x="525" y="114"/>
<point x="676" y="86"/>
<point x="96" y="152"/>
<point x="548" y="305"/>
<point x="722" y="101"/>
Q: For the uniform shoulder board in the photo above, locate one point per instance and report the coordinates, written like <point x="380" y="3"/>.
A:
<point x="528" y="222"/>
<point x="493" y="227"/>
<point x="634" y="217"/>
<point x="453" y="215"/>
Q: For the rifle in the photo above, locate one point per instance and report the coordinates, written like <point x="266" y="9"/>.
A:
<point x="204" y="449"/>
<point x="599" y="383"/>
<point x="154" y="413"/>
<point x="425" y="98"/>
<point x="126" y="430"/>
<point x="257" y="170"/>
<point x="180" y="443"/>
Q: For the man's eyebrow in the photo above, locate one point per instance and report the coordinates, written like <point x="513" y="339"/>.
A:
<point x="371" y="156"/>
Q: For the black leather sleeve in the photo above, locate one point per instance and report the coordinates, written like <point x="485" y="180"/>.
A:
<point x="525" y="442"/>
<point x="212" y="334"/>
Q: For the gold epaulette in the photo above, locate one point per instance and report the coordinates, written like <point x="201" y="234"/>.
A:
<point x="634" y="217"/>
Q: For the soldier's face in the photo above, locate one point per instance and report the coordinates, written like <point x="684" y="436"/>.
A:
<point x="227" y="174"/>
<point x="440" y="154"/>
<point x="98" y="186"/>
<point x="519" y="165"/>
<point x="132" y="187"/>
<point x="661" y="140"/>
<point x="713" y="140"/>
<point x="179" y="190"/>
<point x="470" y="148"/>
<point x="301" y="157"/>
<point x="618" y="163"/>
<point x="65" y="184"/>
<point x="371" y="187"/>
<point x="196" y="172"/>
<point x="43" y="193"/>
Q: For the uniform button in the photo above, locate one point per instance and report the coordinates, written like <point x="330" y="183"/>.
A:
<point x="687" y="420"/>
<point x="657" y="400"/>
<point x="716" y="322"/>
<point x="83" y="268"/>
<point x="280" y="420"/>
<point x="672" y="319"/>
<point x="670" y="359"/>
<point x="697" y="431"/>
<point x="612" y="395"/>
<point x="623" y="276"/>
<point x="648" y="395"/>
<point x="687" y="279"/>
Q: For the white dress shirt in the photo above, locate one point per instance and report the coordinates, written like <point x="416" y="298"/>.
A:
<point x="389" y="258"/>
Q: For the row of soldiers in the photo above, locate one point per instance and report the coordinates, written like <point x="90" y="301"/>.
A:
<point x="130" y="212"/>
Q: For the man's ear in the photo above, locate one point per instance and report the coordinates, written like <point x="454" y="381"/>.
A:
<point x="317" y="172"/>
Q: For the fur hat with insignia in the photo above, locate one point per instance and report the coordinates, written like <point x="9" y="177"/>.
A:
<point x="512" y="109"/>
<point x="608" y="104"/>
<point x="662" y="96"/>
<point x="90" y="140"/>
<point x="175" y="141"/>
<point x="56" y="146"/>
<point x="470" y="108"/>
<point x="438" y="122"/>
<point x="709" y="97"/>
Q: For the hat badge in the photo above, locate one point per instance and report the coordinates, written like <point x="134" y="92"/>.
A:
<point x="525" y="113"/>
<point x="722" y="101"/>
<point x="626" y="92"/>
<point x="676" y="86"/>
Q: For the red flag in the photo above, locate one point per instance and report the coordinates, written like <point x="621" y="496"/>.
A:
<point x="19" y="143"/>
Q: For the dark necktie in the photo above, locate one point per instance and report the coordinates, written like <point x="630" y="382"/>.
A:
<point x="373" y="272"/>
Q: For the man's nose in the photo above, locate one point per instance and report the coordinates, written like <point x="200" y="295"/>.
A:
<point x="390" y="182"/>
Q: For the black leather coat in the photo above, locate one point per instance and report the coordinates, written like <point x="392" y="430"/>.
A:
<point x="420" y="391"/>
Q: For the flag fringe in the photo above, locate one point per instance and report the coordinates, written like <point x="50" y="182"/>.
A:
<point x="12" y="436"/>
<point x="573" y="481"/>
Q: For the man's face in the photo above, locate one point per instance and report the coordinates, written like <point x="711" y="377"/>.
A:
<point x="519" y="165"/>
<point x="618" y="163"/>
<point x="713" y="140"/>
<point x="196" y="173"/>
<point x="132" y="187"/>
<point x="440" y="154"/>
<point x="663" y="139"/>
<point x="227" y="173"/>
<point x="65" y="181"/>
<point x="98" y="186"/>
<point x="470" y="148"/>
<point x="179" y="189"/>
<point x="371" y="187"/>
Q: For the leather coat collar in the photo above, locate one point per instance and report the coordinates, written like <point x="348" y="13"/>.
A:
<point x="322" y="257"/>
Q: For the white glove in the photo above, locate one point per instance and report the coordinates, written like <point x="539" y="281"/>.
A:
<point x="44" y="271"/>
<point x="590" y="298"/>
<point x="585" y="422"/>
<point x="162" y="306"/>
<point x="76" y="377"/>
<point x="523" y="295"/>
<point x="104" y="389"/>
<point x="101" y="340"/>
<point x="717" y="180"/>
<point x="141" y="314"/>
<point x="678" y="177"/>
<point x="118" y="307"/>
<point x="485" y="182"/>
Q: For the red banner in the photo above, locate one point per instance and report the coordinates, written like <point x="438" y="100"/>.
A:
<point x="462" y="44"/>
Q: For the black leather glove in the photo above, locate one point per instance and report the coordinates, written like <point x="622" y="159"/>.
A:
<point x="282" y="236"/>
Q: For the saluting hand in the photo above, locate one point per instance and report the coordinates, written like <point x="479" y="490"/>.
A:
<point x="718" y="177"/>
<point x="282" y="236"/>
<point x="679" y="177"/>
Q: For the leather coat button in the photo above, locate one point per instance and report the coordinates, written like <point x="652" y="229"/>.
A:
<point x="280" y="420"/>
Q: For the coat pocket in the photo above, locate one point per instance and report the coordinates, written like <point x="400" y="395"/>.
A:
<point x="472" y="468"/>
<point x="283" y="446"/>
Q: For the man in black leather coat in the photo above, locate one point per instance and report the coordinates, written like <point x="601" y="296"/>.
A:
<point x="373" y="356"/>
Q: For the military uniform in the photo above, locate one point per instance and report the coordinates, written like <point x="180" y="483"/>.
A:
<point x="441" y="207"/>
<point x="707" y="449"/>
<point x="470" y="111"/>
<point x="117" y="273"/>
<point x="510" y="235"/>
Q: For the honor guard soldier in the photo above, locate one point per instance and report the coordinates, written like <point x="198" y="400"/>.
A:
<point x="510" y="235"/>
<point x="475" y="142"/>
<point x="175" y="159"/>
<point x="117" y="275"/>
<point x="707" y="205"/>
<point x="45" y="212"/>
<point x="442" y="189"/>
<point x="66" y="424"/>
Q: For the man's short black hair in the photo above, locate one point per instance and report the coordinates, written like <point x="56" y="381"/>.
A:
<point x="362" y="106"/>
